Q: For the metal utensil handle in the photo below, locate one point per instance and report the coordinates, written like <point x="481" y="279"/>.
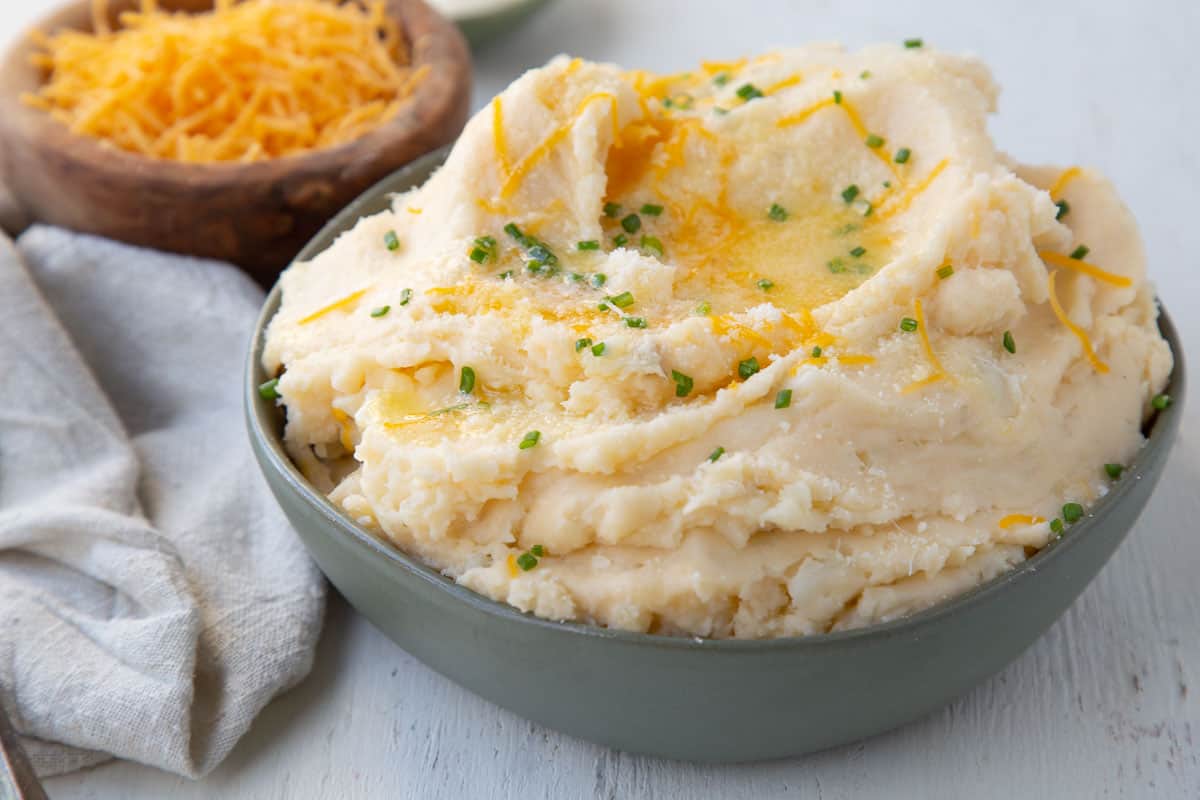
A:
<point x="17" y="779"/>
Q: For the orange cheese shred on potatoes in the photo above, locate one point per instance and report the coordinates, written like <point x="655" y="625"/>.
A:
<point x="247" y="81"/>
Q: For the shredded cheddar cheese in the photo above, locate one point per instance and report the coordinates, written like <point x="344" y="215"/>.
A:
<point x="1060" y="183"/>
<point x="1079" y="332"/>
<point x="1065" y="261"/>
<point x="247" y="81"/>
<point x="939" y="373"/>
<point x="1019" y="519"/>
<point x="337" y="305"/>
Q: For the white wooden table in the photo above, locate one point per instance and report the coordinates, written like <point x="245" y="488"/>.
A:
<point x="1107" y="704"/>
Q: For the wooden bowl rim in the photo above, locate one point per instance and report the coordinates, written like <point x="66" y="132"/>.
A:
<point x="434" y="41"/>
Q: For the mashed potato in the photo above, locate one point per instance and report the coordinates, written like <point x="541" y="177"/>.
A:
<point x="768" y="348"/>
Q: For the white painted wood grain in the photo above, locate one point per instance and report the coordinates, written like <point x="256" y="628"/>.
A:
<point x="1107" y="704"/>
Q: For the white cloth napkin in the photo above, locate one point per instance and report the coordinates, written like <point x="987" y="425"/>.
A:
<point x="152" y="596"/>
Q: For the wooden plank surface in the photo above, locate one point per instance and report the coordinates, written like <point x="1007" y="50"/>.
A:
<point x="1107" y="704"/>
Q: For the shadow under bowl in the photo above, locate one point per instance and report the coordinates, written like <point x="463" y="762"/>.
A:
<point x="693" y="699"/>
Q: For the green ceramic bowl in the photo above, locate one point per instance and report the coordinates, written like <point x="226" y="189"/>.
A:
<point x="696" y="699"/>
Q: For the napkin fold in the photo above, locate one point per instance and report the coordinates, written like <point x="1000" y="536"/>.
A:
<point x="153" y="597"/>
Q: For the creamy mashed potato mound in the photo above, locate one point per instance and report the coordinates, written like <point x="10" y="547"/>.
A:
<point x="768" y="348"/>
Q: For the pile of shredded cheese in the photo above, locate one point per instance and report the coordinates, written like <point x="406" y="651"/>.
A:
<point x="247" y="81"/>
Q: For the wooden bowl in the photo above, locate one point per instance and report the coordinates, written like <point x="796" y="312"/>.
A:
<point x="256" y="215"/>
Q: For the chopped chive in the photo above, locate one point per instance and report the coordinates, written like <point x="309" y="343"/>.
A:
<point x="784" y="398"/>
<point x="1161" y="401"/>
<point x="575" y="277"/>
<point x="913" y="44"/>
<point x="874" y="141"/>
<point x="635" y="322"/>
<point x="1114" y="470"/>
<point x="611" y="210"/>
<point x="512" y="230"/>
<point x="887" y="184"/>
<point x="847" y="229"/>
<point x="632" y="223"/>
<point x="486" y="242"/>
<point x="816" y="351"/>
<point x="720" y="111"/>
<point x="269" y="390"/>
<point x="777" y="212"/>
<point x="1056" y="527"/>
<point x="623" y="300"/>
<point x="479" y="255"/>
<point x="721" y="78"/>
<point x="653" y="245"/>
<point x="1072" y="513"/>
<point x="580" y="344"/>
<point x="391" y="241"/>
<point x="466" y="380"/>
<point x="837" y="97"/>
<point x="908" y="324"/>
<point x="945" y="271"/>
<point x="538" y="550"/>
<point x="598" y="349"/>
<point x="590" y="244"/>
<point x="405" y="296"/>
<point x="650" y="209"/>
<point x="850" y="192"/>
<point x="527" y="561"/>
<point x="1009" y="343"/>
<point x="748" y="92"/>
<point x="704" y="308"/>
<point x="866" y="73"/>
<point x="381" y="311"/>
<point x="867" y="210"/>
<point x="620" y="240"/>
<point x="715" y="454"/>
<point x="531" y="439"/>
<point x="836" y="266"/>
<point x="858" y="252"/>
<point x="902" y="155"/>
<point x="1080" y="252"/>
<point x="765" y="284"/>
<point x="1063" y="208"/>
<point x="748" y="368"/>
<point x="508" y="273"/>
<point x="683" y="383"/>
<point x="599" y="279"/>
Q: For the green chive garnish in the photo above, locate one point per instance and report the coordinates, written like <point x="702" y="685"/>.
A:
<point x="765" y="284"/>
<point x="902" y="155"/>
<point x="623" y="300"/>
<point x="575" y="277"/>
<point x="381" y="311"/>
<point x="508" y="273"/>
<point x="512" y="230"/>
<point x="748" y="368"/>
<point x="405" y="296"/>
<point x="683" y="383"/>
<point x="866" y="73"/>
<point x="466" y="380"/>
<point x="1063" y="208"/>
<point x="908" y="324"/>
<point x="837" y="97"/>
<point x="526" y="561"/>
<point x="479" y="255"/>
<point x="858" y="252"/>
<point x="1056" y="527"/>
<point x="913" y="44"/>
<point x="715" y="454"/>
<point x="1009" y="343"/>
<point x="269" y="389"/>
<point x="598" y="349"/>
<point x="538" y="550"/>
<point x="1161" y="401"/>
<point x="611" y="210"/>
<point x="599" y="279"/>
<point x="867" y="211"/>
<point x="816" y="352"/>
<point x="650" y="209"/>
<point x="653" y="244"/>
<point x="582" y="343"/>
<point x="620" y="240"/>
<point x="748" y="92"/>
<point x="1079" y="252"/>
<point x="590" y="244"/>
<point x="531" y="439"/>
<point x="391" y="241"/>
<point x="1114" y="470"/>
<point x="836" y="266"/>
<point x="1072" y="513"/>
<point x="784" y="398"/>
<point x="777" y="212"/>
<point x="632" y="223"/>
<point x="874" y="141"/>
<point x="849" y="193"/>
<point x="704" y="308"/>
<point x="721" y="78"/>
<point x="635" y="322"/>
<point x="945" y="271"/>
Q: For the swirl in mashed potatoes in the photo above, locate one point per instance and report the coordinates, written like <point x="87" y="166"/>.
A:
<point x="768" y="348"/>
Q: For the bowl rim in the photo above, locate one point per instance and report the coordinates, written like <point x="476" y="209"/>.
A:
<point x="261" y="416"/>
<point x="436" y="43"/>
